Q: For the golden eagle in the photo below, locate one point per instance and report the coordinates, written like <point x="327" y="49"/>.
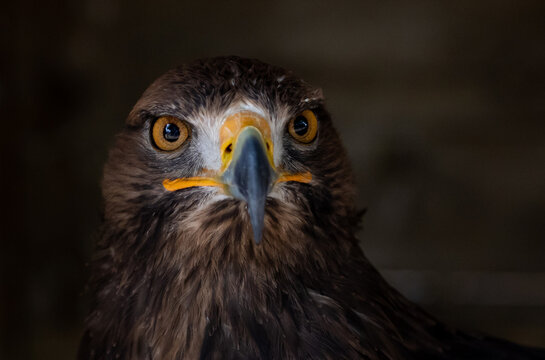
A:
<point x="228" y="233"/>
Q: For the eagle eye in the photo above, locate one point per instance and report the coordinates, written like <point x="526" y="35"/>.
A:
<point x="169" y="133"/>
<point x="304" y="127"/>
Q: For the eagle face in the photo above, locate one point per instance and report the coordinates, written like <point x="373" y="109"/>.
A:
<point x="232" y="156"/>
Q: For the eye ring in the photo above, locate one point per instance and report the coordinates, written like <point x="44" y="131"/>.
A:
<point x="169" y="133"/>
<point x="304" y="127"/>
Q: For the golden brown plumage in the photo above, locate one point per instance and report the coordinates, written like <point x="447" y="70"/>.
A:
<point x="199" y="272"/>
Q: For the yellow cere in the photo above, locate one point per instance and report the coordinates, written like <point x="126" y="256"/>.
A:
<point x="231" y="128"/>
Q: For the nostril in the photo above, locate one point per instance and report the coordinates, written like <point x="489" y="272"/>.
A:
<point x="229" y="148"/>
<point x="268" y="146"/>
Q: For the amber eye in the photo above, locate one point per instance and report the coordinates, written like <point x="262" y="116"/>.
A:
<point x="169" y="133"/>
<point x="304" y="127"/>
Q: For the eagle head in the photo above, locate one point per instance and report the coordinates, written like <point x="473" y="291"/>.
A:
<point x="232" y="156"/>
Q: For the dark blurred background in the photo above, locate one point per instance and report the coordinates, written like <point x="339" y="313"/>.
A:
<point x="441" y="106"/>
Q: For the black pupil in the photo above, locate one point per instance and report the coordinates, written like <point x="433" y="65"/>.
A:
<point x="300" y="125"/>
<point x="171" y="132"/>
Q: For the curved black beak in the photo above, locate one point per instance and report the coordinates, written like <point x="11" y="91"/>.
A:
<point x="250" y="176"/>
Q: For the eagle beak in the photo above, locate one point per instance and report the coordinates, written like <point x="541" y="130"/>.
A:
<point x="250" y="176"/>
